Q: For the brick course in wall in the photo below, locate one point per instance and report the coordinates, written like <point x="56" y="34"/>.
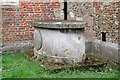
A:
<point x="17" y="19"/>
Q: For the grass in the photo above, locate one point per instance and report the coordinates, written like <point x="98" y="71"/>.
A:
<point x="17" y="66"/>
<point x="0" y="67"/>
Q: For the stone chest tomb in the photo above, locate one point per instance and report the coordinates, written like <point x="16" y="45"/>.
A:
<point x="61" y="41"/>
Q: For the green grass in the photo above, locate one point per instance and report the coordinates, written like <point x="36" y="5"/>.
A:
<point x="17" y="66"/>
<point x="0" y="67"/>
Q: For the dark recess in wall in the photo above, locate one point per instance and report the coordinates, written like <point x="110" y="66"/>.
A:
<point x="65" y="9"/>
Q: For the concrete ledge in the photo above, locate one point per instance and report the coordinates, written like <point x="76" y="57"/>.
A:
<point x="18" y="45"/>
<point x="104" y="50"/>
